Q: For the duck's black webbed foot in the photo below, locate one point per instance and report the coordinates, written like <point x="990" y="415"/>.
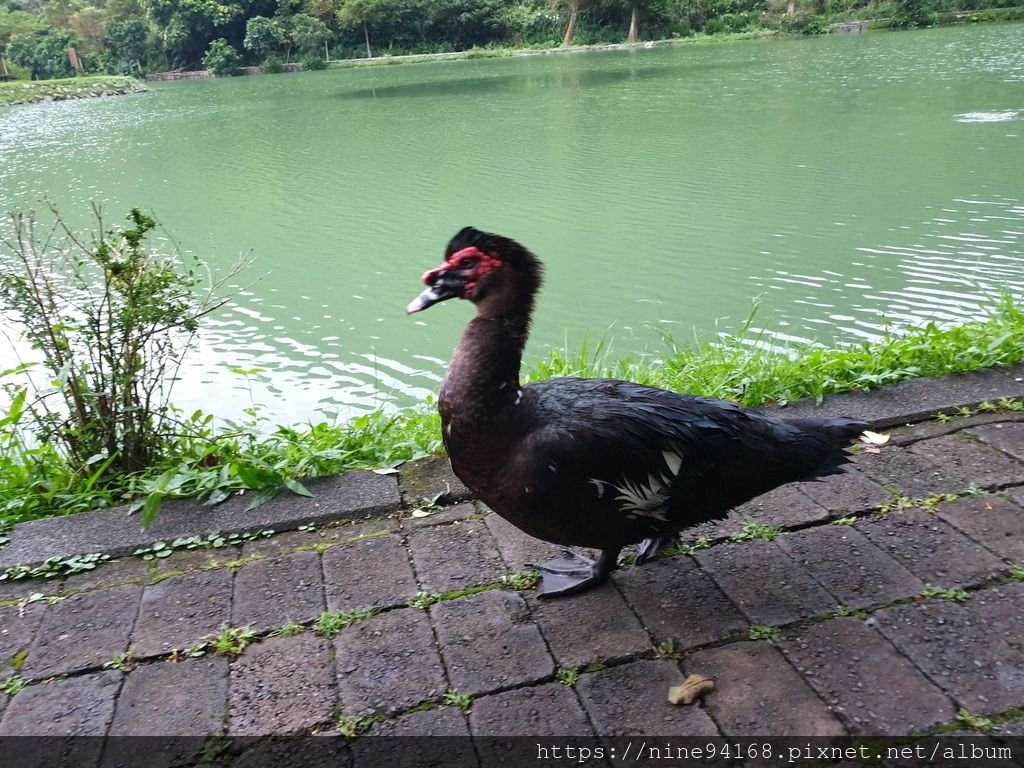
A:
<point x="648" y="549"/>
<point x="571" y="574"/>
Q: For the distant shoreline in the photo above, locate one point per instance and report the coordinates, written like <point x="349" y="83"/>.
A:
<point x="37" y="91"/>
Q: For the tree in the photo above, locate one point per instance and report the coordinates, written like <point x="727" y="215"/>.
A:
<point x="128" y="41"/>
<point x="307" y="32"/>
<point x="362" y="13"/>
<point x="263" y="36"/>
<point x="44" y="53"/>
<point x="221" y="58"/>
<point x="573" y="6"/>
<point x="87" y="24"/>
<point x="14" y="23"/>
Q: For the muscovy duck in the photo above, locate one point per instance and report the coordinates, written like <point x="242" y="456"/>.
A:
<point x="595" y="463"/>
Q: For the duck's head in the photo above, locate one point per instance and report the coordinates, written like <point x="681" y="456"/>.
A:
<point x="495" y="273"/>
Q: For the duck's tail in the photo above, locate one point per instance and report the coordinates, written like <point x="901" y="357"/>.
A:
<point x="823" y="443"/>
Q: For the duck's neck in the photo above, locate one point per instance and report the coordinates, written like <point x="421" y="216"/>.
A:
<point x="483" y="377"/>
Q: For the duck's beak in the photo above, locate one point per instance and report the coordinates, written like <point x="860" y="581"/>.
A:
<point x="443" y="285"/>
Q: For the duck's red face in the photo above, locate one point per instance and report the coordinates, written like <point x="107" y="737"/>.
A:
<point x="459" y="277"/>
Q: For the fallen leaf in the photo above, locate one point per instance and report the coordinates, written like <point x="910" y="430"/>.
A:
<point x="873" y="438"/>
<point x="692" y="689"/>
<point x="419" y="513"/>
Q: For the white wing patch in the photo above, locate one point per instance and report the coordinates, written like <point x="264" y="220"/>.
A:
<point x="645" y="498"/>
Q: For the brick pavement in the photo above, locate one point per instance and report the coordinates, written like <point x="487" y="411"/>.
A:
<point x="874" y="607"/>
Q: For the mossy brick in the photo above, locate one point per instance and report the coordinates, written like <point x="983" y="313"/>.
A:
<point x="18" y="625"/>
<point x="856" y="572"/>
<point x="847" y="493"/>
<point x="764" y="582"/>
<point x="676" y="600"/>
<point x="516" y="547"/>
<point x="595" y="626"/>
<point x="431" y="478"/>
<point x="456" y="556"/>
<point x="1008" y="437"/>
<point x="971" y="650"/>
<point x="757" y="693"/>
<point x="909" y="433"/>
<point x="965" y="457"/>
<point x="904" y="472"/>
<point x="632" y="700"/>
<point x="126" y="570"/>
<point x="549" y="709"/>
<point x="871" y="687"/>
<point x="22" y="588"/>
<point x="179" y="611"/>
<point x="74" y="706"/>
<point x="333" y="534"/>
<point x="190" y="560"/>
<point x="83" y="631"/>
<point x="489" y="642"/>
<point x="439" y="516"/>
<point x="992" y="521"/>
<point x="933" y="551"/>
<point x="368" y="574"/>
<point x="278" y="591"/>
<point x="283" y="686"/>
<point x="783" y="507"/>
<point x="380" y="747"/>
<point x="388" y="663"/>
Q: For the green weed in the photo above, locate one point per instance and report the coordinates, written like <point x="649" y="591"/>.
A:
<point x="945" y="593"/>
<point x="567" y="676"/>
<point x="752" y="530"/>
<point x="455" y="699"/>
<point x="331" y="623"/>
<point x="762" y="632"/>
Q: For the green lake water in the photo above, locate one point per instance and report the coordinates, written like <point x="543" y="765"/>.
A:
<point x="847" y="182"/>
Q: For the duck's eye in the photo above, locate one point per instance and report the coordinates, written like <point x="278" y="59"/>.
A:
<point x="467" y="263"/>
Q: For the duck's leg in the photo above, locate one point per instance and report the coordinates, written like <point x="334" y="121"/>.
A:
<point x="650" y="548"/>
<point x="571" y="573"/>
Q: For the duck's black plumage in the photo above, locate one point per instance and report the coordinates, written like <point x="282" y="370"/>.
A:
<point x="596" y="463"/>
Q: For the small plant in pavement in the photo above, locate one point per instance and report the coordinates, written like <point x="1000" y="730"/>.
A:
<point x="456" y="699"/>
<point x="945" y="593"/>
<point x="568" y="676"/>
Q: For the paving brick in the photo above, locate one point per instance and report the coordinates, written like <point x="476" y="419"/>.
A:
<point x="854" y="570"/>
<point x="632" y="700"/>
<point x="864" y="680"/>
<point x="271" y="593"/>
<point x="284" y="685"/>
<point x="518" y="548"/>
<point x="343" y="532"/>
<point x="295" y="752"/>
<point x="388" y="663"/>
<point x="594" y="626"/>
<point x="84" y="631"/>
<point x="452" y="557"/>
<point x="427" y="478"/>
<point x="442" y="721"/>
<point x="17" y="628"/>
<point x="971" y="650"/>
<point x="19" y="590"/>
<point x="181" y="610"/>
<point x="764" y="583"/>
<point x="488" y="642"/>
<point x="912" y="433"/>
<point x="676" y="600"/>
<point x="968" y="459"/>
<point x="933" y="551"/>
<point x="187" y="698"/>
<point x="846" y="493"/>
<point x="991" y="521"/>
<point x="1007" y="437"/>
<point x="783" y="507"/>
<point x="550" y="709"/>
<point x="758" y="694"/>
<point x="371" y="573"/>
<point x="379" y="748"/>
<point x="133" y="570"/>
<point x="76" y="706"/>
<point x="911" y="475"/>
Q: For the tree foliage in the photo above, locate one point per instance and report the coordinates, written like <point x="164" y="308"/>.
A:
<point x="221" y="58"/>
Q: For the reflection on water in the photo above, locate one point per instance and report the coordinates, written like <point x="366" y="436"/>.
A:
<point x="851" y="183"/>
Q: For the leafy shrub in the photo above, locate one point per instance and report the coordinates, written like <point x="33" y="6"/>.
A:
<point x="222" y="59"/>
<point x="313" y="62"/>
<point x="273" y="66"/>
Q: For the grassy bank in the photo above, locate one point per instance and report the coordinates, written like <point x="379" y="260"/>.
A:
<point x="211" y="463"/>
<point x="29" y="91"/>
